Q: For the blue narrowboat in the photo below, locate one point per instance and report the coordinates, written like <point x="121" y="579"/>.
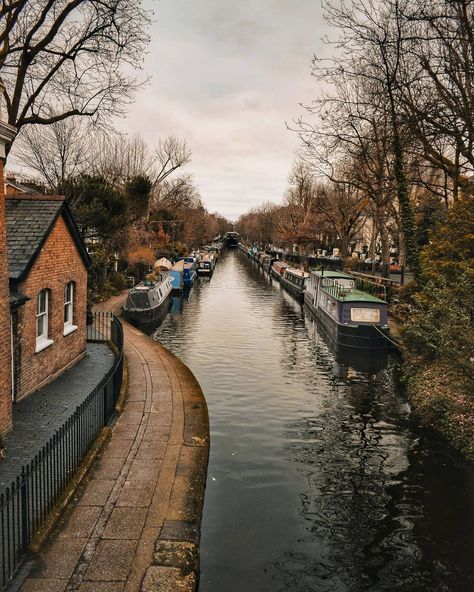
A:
<point x="351" y="317"/>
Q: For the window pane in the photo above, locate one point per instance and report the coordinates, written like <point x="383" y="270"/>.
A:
<point x="42" y="302"/>
<point x="68" y="293"/>
<point x="40" y="325"/>
<point x="68" y="302"/>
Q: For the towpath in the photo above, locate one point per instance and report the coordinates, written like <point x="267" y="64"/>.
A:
<point x="134" y="525"/>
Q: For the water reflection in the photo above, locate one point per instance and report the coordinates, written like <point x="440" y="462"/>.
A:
<point x="317" y="479"/>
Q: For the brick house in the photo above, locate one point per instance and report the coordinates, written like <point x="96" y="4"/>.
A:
<point x="43" y="290"/>
<point x="15" y="185"/>
<point x="47" y="263"/>
<point x="7" y="133"/>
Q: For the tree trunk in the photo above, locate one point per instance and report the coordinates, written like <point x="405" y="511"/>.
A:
<point x="407" y="214"/>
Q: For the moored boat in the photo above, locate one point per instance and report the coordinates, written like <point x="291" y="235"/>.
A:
<point x="351" y="317"/>
<point x="278" y="268"/>
<point x="206" y="264"/>
<point x="176" y="276"/>
<point x="148" y="302"/>
<point x="189" y="271"/>
<point x="293" y="280"/>
<point x="231" y="239"/>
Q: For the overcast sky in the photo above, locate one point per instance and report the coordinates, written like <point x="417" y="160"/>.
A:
<point x="226" y="75"/>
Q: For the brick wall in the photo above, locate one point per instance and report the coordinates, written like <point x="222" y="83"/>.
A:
<point x="5" y="354"/>
<point x="58" y="263"/>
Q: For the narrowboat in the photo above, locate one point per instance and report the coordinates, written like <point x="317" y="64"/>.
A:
<point x="293" y="280"/>
<point x="278" y="269"/>
<point x="206" y="264"/>
<point x="149" y="301"/>
<point x="351" y="317"/>
<point x="268" y="262"/>
<point x="231" y="239"/>
<point x="189" y="271"/>
<point x="265" y="261"/>
<point x="176" y="276"/>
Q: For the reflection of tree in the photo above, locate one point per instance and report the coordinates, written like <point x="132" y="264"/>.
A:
<point x="369" y="505"/>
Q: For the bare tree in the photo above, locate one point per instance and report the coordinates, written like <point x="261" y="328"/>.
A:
<point x="119" y="158"/>
<point x="369" y="61"/>
<point x="60" y="58"/>
<point x="57" y="152"/>
<point x="437" y="86"/>
<point x="171" y="154"/>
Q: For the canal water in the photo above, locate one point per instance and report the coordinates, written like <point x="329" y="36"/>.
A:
<point x="318" y="480"/>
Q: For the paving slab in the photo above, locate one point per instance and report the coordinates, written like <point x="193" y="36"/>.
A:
<point x="135" y="521"/>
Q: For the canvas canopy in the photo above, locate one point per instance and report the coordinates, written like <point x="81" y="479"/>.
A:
<point x="179" y="266"/>
<point x="163" y="263"/>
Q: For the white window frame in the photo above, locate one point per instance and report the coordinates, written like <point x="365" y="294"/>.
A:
<point x="42" y="339"/>
<point x="69" y="325"/>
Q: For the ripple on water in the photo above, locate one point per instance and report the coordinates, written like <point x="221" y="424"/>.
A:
<point x="317" y="480"/>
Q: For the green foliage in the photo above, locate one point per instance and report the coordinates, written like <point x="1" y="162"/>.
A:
<point x="442" y="324"/>
<point x="441" y="400"/>
<point x="440" y="331"/>
<point x="99" y="209"/>
<point x="137" y="195"/>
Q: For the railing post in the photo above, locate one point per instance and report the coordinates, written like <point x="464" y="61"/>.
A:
<point x="24" y="509"/>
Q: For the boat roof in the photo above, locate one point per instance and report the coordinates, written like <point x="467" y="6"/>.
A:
<point x="297" y="272"/>
<point x="356" y="295"/>
<point x="164" y="263"/>
<point x="178" y="266"/>
<point x="332" y="274"/>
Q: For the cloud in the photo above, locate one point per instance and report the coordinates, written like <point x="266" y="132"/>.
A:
<point x="226" y="76"/>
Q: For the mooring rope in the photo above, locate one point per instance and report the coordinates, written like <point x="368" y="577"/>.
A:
<point x="386" y="336"/>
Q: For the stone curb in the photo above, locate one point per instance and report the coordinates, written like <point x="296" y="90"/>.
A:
<point x="175" y="563"/>
<point x="61" y="505"/>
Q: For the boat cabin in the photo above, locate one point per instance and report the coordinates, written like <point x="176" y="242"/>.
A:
<point x="350" y="314"/>
<point x="148" y="301"/>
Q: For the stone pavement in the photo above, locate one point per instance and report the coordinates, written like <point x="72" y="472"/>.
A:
<point x="135" y="523"/>
<point x="36" y="418"/>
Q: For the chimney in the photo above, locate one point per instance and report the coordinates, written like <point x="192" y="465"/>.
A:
<point x="7" y="133"/>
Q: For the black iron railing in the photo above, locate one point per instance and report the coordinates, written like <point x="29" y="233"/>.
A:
<point x="26" y="504"/>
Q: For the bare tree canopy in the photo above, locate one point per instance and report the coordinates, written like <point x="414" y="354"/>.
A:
<point x="60" y="58"/>
<point x="171" y="154"/>
<point x="57" y="152"/>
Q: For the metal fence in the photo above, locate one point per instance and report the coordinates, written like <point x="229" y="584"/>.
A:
<point x="25" y="505"/>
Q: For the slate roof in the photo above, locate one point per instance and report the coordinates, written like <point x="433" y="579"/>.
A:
<point x="26" y="187"/>
<point x="29" y="221"/>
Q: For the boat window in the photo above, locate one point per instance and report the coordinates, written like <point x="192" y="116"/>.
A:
<point x="137" y="300"/>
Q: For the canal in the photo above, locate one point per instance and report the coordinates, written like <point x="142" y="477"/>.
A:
<point x="318" y="480"/>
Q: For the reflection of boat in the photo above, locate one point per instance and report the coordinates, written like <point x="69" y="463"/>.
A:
<point x="360" y="361"/>
<point x="148" y="302"/>
<point x="351" y="317"/>
<point x="293" y="280"/>
<point x="176" y="304"/>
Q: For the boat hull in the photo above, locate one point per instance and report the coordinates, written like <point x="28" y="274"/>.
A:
<point x="150" y="316"/>
<point x="295" y="291"/>
<point x="363" y="337"/>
